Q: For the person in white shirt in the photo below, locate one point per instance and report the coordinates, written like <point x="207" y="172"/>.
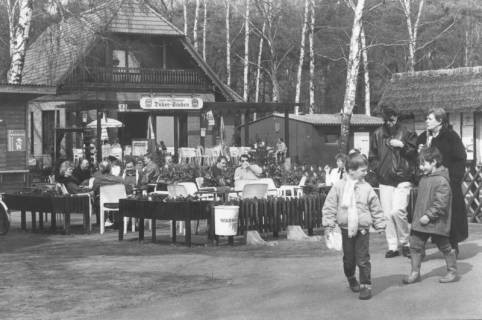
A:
<point x="335" y="174"/>
<point x="247" y="171"/>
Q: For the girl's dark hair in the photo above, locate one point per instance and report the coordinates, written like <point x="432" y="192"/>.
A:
<point x="355" y="161"/>
<point x="220" y="158"/>
<point x="341" y="156"/>
<point x="440" y="115"/>
<point x="430" y="154"/>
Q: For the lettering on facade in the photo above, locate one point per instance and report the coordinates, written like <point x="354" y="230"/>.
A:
<point x="171" y="103"/>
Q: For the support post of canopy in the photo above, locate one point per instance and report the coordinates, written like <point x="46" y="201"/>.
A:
<point x="287" y="130"/>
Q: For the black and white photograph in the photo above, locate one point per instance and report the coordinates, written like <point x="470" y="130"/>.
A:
<point x="240" y="159"/>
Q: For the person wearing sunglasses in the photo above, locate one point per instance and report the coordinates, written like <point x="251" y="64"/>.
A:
<point x="246" y="170"/>
<point x="393" y="156"/>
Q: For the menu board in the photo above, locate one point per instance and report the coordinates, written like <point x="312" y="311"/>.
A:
<point x="139" y="147"/>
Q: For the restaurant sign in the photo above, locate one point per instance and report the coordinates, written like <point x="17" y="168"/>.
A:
<point x="171" y="103"/>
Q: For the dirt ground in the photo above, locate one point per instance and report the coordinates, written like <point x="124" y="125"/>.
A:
<point x="54" y="276"/>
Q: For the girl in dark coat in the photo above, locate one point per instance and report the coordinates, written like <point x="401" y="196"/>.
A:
<point x="439" y="135"/>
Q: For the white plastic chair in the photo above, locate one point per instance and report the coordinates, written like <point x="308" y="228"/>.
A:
<point x="272" y="190"/>
<point x="111" y="195"/>
<point x="255" y="190"/>
<point x="291" y="191"/>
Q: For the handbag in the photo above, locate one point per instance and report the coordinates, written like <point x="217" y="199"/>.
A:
<point x="401" y="169"/>
<point x="333" y="239"/>
<point x="412" y="199"/>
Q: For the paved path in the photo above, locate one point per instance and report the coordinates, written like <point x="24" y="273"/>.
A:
<point x="45" y="276"/>
<point x="314" y="288"/>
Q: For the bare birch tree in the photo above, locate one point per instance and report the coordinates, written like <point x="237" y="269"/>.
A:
<point x="311" y="30"/>
<point x="228" y="45"/>
<point x="204" y="28"/>
<point x="366" y="71"/>
<point x="353" y="67"/>
<point x="246" y="52"/>
<point x="184" y="11"/>
<point x="301" y="57"/>
<point x="19" y="18"/>
<point x="412" y="30"/>
<point x="258" y="65"/>
<point x="194" y="31"/>
<point x="275" y="57"/>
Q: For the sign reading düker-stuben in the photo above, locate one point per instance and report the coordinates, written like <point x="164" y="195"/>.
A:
<point x="171" y="103"/>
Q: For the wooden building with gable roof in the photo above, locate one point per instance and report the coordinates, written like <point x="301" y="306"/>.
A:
<point x="313" y="137"/>
<point x="127" y="61"/>
<point x="458" y="91"/>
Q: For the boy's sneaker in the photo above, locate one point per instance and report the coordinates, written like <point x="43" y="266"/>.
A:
<point x="354" y="285"/>
<point x="392" y="254"/>
<point x="108" y="223"/>
<point x="365" y="292"/>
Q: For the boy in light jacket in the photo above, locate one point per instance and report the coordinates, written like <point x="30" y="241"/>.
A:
<point x="354" y="206"/>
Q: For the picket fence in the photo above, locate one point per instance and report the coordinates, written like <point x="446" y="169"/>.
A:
<point x="273" y="215"/>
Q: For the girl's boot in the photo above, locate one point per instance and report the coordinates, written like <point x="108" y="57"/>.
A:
<point x="414" y="276"/>
<point x="451" y="261"/>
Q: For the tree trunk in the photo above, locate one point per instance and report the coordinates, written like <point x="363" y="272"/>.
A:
<point x="184" y="11"/>
<point x="18" y="43"/>
<point x="412" y="30"/>
<point x="228" y="47"/>
<point x="246" y="52"/>
<point x="351" y="76"/>
<point x="312" y="57"/>
<point x="204" y="28"/>
<point x="366" y="74"/>
<point x="258" y="66"/>
<point x="301" y="58"/>
<point x="194" y="31"/>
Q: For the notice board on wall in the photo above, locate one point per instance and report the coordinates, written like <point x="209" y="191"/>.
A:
<point x="16" y="140"/>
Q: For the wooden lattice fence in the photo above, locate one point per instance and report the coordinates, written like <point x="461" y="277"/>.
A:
<point x="471" y="188"/>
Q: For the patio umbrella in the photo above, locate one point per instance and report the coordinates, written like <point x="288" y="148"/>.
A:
<point x="106" y="123"/>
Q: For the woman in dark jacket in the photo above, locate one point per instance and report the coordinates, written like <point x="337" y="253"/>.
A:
<point x="439" y="134"/>
<point x="67" y="179"/>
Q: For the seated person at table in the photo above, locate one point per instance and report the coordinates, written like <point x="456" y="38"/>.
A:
<point x="150" y="171"/>
<point x="115" y="166"/>
<point x="219" y="172"/>
<point x="67" y="179"/>
<point x="247" y="171"/>
<point x="132" y="177"/>
<point x="83" y="172"/>
<point x="105" y="177"/>
<point x="335" y="174"/>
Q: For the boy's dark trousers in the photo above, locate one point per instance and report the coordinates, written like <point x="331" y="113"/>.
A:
<point x="355" y="253"/>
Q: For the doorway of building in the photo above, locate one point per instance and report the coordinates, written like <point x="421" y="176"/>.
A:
<point x="165" y="130"/>
<point x="135" y="126"/>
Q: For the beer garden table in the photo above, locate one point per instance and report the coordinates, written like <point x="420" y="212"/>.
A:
<point x="54" y="204"/>
<point x="177" y="210"/>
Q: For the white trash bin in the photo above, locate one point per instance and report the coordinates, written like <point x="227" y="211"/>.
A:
<point x="226" y="220"/>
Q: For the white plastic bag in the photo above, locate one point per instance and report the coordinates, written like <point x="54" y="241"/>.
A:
<point x="333" y="239"/>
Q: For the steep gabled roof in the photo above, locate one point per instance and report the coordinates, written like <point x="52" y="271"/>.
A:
<point x="141" y="18"/>
<point x="452" y="89"/>
<point x="226" y="91"/>
<point x="57" y="51"/>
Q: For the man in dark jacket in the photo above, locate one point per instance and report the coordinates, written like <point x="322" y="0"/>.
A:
<point x="393" y="154"/>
